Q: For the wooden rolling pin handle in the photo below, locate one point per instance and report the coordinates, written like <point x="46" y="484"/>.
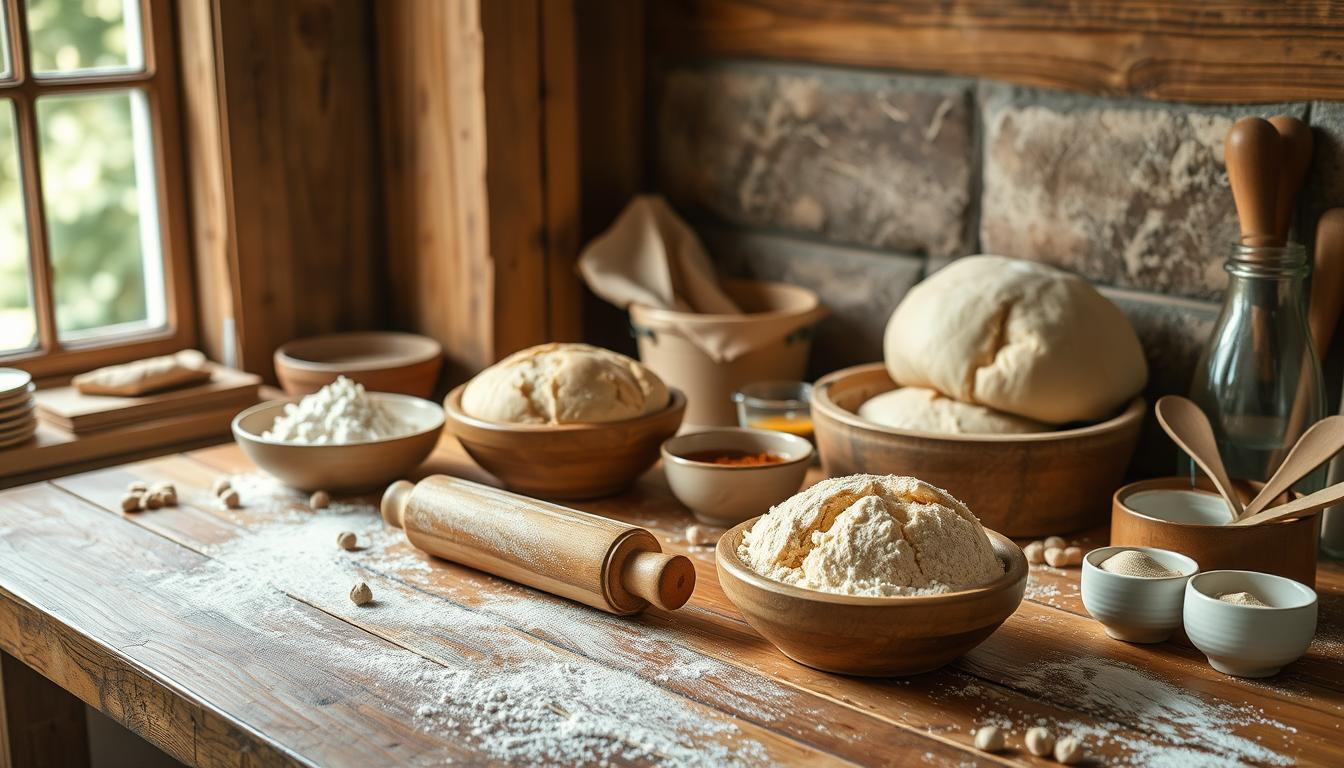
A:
<point x="393" y="505"/>
<point x="666" y="581"/>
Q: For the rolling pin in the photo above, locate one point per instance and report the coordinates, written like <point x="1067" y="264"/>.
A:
<point x="599" y="562"/>
<point x="1253" y="153"/>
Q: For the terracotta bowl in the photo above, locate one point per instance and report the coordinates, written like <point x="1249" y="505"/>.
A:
<point x="871" y="636"/>
<point x="383" y="361"/>
<point x="346" y="468"/>
<point x="1022" y="485"/>
<point x="565" y="461"/>
<point x="1286" y="548"/>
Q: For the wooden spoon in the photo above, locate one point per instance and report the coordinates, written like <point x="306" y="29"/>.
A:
<point x="1189" y="428"/>
<point x="1327" y="279"/>
<point x="1253" y="154"/>
<point x="1317" y="445"/>
<point x="1297" y="143"/>
<point x="1306" y="505"/>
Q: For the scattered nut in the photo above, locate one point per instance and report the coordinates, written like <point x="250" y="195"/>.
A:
<point x="151" y="500"/>
<point x="137" y="486"/>
<point x="989" y="739"/>
<point x="1073" y="555"/>
<point x="1069" y="750"/>
<point x="347" y="540"/>
<point x="1055" y="557"/>
<point x="130" y="502"/>
<point x="1039" y="741"/>
<point x="702" y="535"/>
<point x="230" y="499"/>
<point x="1055" y="542"/>
<point x="319" y="500"/>
<point x="1035" y="552"/>
<point x="166" y="491"/>
<point x="221" y="485"/>
<point x="360" y="594"/>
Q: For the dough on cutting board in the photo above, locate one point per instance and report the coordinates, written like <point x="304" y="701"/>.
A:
<point x="564" y="384"/>
<point x="142" y="377"/>
<point x="872" y="535"/>
<point x="924" y="410"/>
<point x="1018" y="337"/>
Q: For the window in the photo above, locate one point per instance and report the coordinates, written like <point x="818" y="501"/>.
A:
<point x="93" y="263"/>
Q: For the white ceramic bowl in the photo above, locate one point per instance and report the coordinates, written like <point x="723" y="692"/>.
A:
<point x="1133" y="608"/>
<point x="726" y="495"/>
<point x="1248" y="640"/>
<point x="350" y="467"/>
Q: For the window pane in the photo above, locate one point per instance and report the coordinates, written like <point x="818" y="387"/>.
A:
<point x="80" y="36"/>
<point x="6" y="71"/>
<point x="18" y="325"/>
<point x="101" y="212"/>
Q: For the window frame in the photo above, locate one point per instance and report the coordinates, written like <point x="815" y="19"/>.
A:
<point x="159" y="82"/>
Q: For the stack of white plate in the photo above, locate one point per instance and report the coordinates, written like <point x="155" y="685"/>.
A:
<point x="18" y="423"/>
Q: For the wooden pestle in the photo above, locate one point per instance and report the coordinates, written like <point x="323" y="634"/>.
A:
<point x="1297" y="144"/>
<point x="1253" y="154"/>
<point x="599" y="562"/>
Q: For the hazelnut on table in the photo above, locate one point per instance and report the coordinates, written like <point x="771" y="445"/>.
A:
<point x="360" y="594"/>
<point x="319" y="500"/>
<point x="989" y="739"/>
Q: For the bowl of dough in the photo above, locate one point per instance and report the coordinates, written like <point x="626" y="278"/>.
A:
<point x="1012" y="384"/>
<point x="340" y="438"/>
<point x="871" y="575"/>
<point x="565" y="421"/>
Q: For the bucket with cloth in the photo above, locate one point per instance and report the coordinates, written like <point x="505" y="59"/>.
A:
<point x="703" y="336"/>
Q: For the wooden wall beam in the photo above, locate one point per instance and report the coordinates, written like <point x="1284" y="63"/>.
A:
<point x="1232" y="51"/>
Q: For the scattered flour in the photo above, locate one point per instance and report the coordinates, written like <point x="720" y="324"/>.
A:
<point x="872" y="535"/>
<point x="338" y="414"/>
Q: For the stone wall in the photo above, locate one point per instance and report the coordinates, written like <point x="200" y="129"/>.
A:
<point x="857" y="183"/>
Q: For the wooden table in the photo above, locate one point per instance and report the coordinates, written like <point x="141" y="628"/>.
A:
<point x="226" y="637"/>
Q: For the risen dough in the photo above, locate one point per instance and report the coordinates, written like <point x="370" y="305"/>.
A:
<point x="564" y="384"/>
<point x="1017" y="337"/>
<point x="924" y="410"/>
<point x="872" y="535"/>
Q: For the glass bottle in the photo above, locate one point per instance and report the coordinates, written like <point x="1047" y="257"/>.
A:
<point x="1259" y="379"/>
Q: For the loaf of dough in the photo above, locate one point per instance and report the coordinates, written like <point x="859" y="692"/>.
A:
<point x="564" y="384"/>
<point x="1018" y="337"/>
<point x="924" y="410"/>
<point x="142" y="377"/>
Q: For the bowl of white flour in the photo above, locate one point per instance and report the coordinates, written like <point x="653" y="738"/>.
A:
<point x="340" y="438"/>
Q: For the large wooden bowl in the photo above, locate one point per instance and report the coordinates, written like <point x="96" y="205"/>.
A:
<point x="1285" y="548"/>
<point x="1021" y="485"/>
<point x="565" y="461"/>
<point x="871" y="636"/>
<point x="383" y="361"/>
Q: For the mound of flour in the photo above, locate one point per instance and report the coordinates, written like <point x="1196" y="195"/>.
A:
<point x="339" y="413"/>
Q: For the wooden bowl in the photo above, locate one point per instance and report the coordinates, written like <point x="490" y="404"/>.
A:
<point x="1022" y="485"/>
<point x="351" y="467"/>
<point x="565" y="461"/>
<point x="1286" y="548"/>
<point x="871" y="636"/>
<point x="383" y="361"/>
<point x="725" y="495"/>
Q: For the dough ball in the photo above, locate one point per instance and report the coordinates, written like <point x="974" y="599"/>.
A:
<point x="564" y="384"/>
<point x="924" y="410"/>
<point x="1018" y="337"/>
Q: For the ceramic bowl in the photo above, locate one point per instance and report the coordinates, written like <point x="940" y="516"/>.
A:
<point x="1248" y="640"/>
<point x="871" y="636"/>
<point x="1022" y="485"/>
<point x="565" y="461"/>
<point x="383" y="361"/>
<point x="351" y="467"/>
<point x="1133" y="608"/>
<point x="1166" y="513"/>
<point x="725" y="495"/>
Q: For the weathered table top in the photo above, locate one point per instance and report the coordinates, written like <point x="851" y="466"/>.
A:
<point x="226" y="637"/>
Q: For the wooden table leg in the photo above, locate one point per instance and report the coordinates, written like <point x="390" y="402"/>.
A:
<point x="40" y="724"/>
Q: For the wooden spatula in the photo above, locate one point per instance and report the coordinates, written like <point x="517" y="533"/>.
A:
<point x="1297" y="143"/>
<point x="1327" y="279"/>
<point x="1304" y="506"/>
<point x="1317" y="445"/>
<point x="1253" y="153"/>
<point x="1189" y="428"/>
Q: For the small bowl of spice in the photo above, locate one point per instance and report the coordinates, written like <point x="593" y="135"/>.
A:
<point x="729" y="475"/>
<point x="1249" y="624"/>
<point x="1136" y="593"/>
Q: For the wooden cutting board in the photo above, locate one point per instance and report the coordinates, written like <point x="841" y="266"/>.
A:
<point x="68" y="409"/>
